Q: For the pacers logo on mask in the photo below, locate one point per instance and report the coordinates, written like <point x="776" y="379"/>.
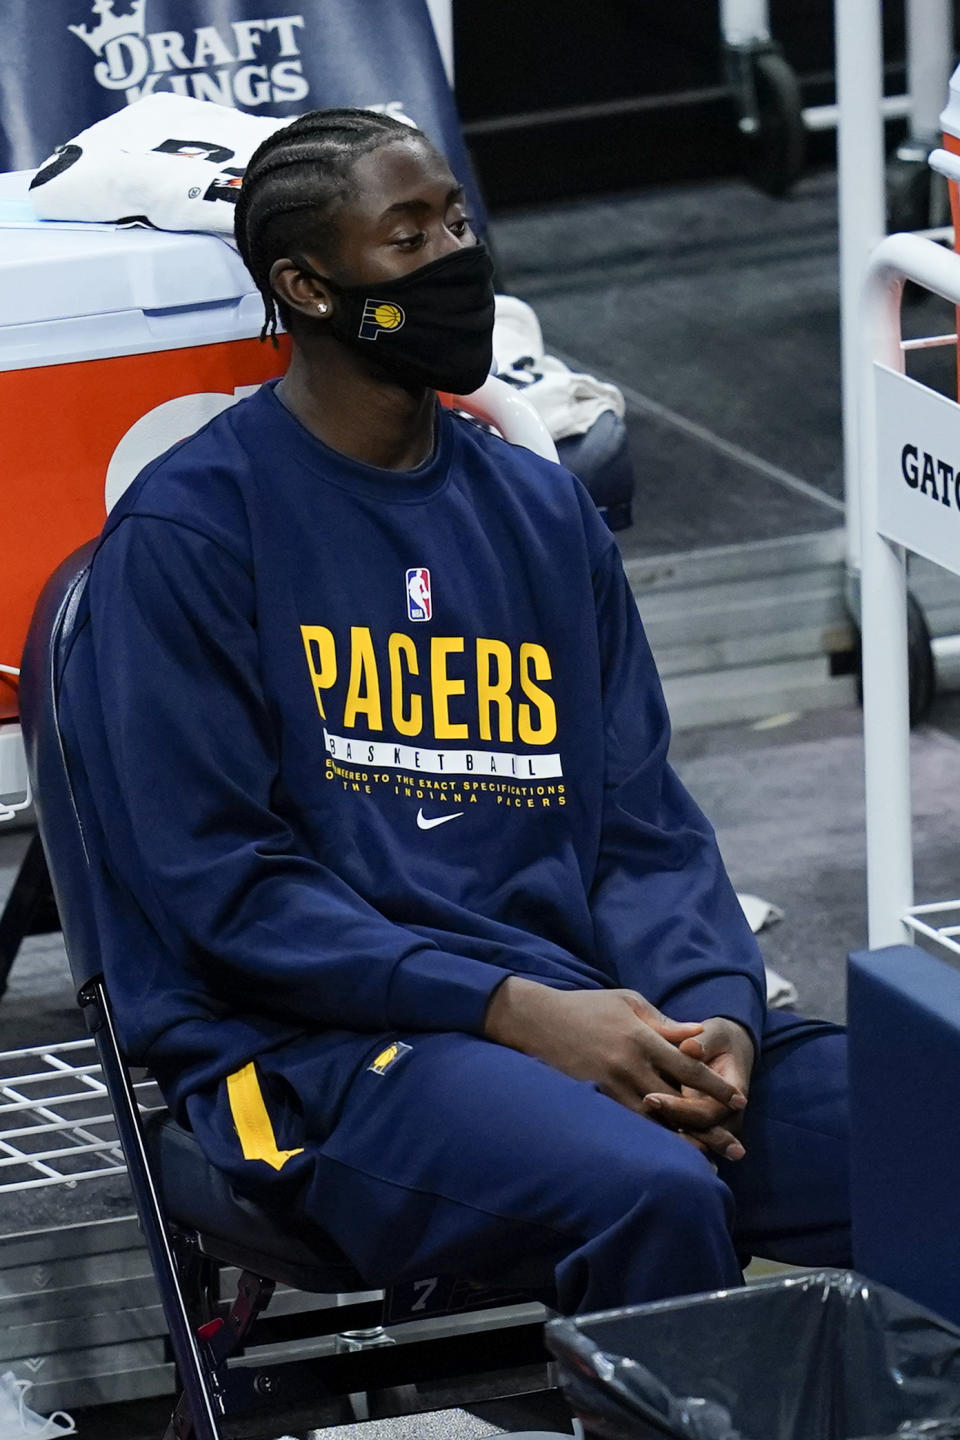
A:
<point x="379" y="316"/>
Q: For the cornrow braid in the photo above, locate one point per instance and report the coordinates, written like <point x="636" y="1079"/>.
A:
<point x="290" y="187"/>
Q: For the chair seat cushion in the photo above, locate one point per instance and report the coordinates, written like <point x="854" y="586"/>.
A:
<point x="234" y="1229"/>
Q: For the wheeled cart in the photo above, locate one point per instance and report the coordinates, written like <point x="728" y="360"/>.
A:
<point x="774" y="123"/>
<point x="909" y="502"/>
<point x="904" y="992"/>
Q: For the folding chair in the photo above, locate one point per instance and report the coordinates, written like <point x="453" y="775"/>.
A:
<point x="193" y="1222"/>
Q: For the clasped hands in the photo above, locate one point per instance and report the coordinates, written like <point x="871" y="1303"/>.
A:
<point x="692" y="1078"/>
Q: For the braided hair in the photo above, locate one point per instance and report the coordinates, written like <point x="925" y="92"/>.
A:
<point x="291" y="185"/>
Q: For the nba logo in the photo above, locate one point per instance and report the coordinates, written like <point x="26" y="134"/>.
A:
<point x="419" y="596"/>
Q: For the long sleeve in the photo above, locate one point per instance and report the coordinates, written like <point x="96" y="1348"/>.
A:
<point x="667" y="920"/>
<point x="194" y="750"/>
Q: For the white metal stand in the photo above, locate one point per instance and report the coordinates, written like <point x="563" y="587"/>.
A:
<point x="929" y="51"/>
<point x="56" y="1123"/>
<point x="908" y="503"/>
<point x="744" y="22"/>
<point x="860" y="186"/>
<point x="862" y="199"/>
<point x="929" y="64"/>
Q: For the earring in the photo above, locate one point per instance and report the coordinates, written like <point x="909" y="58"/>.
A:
<point x="322" y="307"/>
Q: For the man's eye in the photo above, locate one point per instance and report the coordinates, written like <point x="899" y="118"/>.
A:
<point x="460" y="227"/>
<point x="409" y="242"/>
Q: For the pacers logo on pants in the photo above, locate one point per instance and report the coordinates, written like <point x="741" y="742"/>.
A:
<point x="389" y="1057"/>
<point x="379" y="316"/>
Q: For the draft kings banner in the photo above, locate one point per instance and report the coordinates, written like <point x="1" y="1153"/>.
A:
<point x="66" y="63"/>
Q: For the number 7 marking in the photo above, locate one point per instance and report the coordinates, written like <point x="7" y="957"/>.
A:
<point x="428" y="1287"/>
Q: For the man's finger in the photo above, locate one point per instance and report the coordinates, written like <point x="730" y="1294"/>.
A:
<point x="674" y="1030"/>
<point x="685" y="1112"/>
<point x="694" y="1047"/>
<point x="677" y="1066"/>
<point x="682" y="1117"/>
<point x="693" y="1140"/>
<point x="721" y="1143"/>
<point x="678" y="1032"/>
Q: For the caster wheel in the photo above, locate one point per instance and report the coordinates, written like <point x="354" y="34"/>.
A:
<point x="922" y="669"/>
<point x="774" y="144"/>
<point x="916" y="198"/>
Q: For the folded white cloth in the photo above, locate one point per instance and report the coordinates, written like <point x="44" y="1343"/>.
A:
<point x="781" y="992"/>
<point x="516" y="332"/>
<point x="175" y="162"/>
<point x="759" y="912"/>
<point x="567" y="401"/>
<point x="17" y="1420"/>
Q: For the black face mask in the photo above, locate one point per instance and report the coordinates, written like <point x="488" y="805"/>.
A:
<point x="432" y="327"/>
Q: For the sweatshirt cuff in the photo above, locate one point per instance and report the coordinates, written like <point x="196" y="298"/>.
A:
<point x="735" y="997"/>
<point x="433" y="990"/>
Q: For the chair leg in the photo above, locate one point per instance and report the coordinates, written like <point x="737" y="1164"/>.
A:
<point x="199" y="1279"/>
<point x="220" y="1337"/>
<point x="182" y="1425"/>
<point x="200" y="1283"/>
<point x="367" y="1405"/>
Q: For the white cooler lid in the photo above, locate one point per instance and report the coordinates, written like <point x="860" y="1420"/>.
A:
<point x="52" y="272"/>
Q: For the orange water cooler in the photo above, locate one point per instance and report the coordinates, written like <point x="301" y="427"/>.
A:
<point x="114" y="343"/>
<point x="950" y="125"/>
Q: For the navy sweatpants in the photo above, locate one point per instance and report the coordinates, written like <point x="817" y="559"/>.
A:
<point x="447" y="1154"/>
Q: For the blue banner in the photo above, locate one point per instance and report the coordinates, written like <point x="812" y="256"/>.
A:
<point x="66" y="63"/>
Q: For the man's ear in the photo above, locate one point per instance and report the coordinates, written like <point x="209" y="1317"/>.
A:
<point x="300" y="291"/>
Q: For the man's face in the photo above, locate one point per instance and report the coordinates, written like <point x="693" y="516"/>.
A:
<point x="404" y="209"/>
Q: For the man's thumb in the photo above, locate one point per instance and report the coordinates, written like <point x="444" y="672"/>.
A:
<point x="693" y="1047"/>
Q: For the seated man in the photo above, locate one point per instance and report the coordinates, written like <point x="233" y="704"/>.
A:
<point x="403" y="905"/>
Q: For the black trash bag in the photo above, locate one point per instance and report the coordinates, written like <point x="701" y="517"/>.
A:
<point x="825" y="1355"/>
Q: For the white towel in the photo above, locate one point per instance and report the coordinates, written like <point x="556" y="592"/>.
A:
<point x="781" y="992"/>
<point x="174" y="162"/>
<point x="18" y="1420"/>
<point x="568" y="401"/>
<point x="759" y="912"/>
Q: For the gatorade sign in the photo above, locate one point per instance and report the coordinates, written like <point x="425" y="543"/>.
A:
<point x="918" y="491"/>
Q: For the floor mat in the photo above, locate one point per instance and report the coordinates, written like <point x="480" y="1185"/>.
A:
<point x="715" y="302"/>
<point x="788" y="807"/>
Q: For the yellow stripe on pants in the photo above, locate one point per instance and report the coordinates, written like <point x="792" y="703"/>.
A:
<point x="254" y="1128"/>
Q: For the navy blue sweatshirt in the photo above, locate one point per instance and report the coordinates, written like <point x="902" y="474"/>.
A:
<point x="362" y="743"/>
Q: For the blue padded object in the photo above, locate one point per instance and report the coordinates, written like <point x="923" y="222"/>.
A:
<point x="600" y="459"/>
<point x="904" y="1021"/>
<point x="52" y="632"/>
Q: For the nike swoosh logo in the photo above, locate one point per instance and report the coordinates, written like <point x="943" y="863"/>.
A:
<point x="424" y="824"/>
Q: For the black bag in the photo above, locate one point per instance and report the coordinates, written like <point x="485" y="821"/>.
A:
<point x="824" y="1355"/>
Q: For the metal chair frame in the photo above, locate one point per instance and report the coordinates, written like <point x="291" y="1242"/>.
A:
<point x="207" y="1339"/>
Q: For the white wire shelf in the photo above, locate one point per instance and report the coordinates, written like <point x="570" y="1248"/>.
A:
<point x="56" y="1124"/>
<point x="920" y="920"/>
